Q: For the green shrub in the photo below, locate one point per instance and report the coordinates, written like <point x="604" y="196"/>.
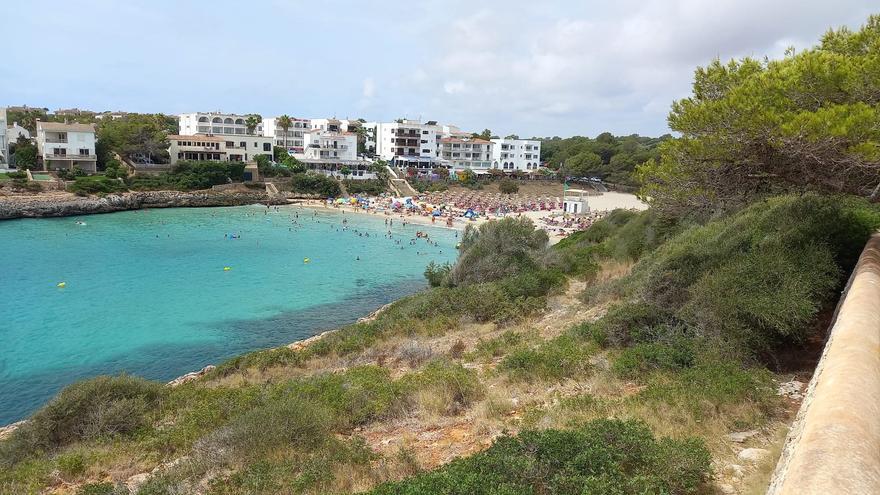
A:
<point x="628" y="323"/>
<point x="562" y="357"/>
<point x="101" y="406"/>
<point x="72" y="464"/>
<point x="436" y="274"/>
<point x="604" y="456"/>
<point x="355" y="397"/>
<point x="507" y="186"/>
<point x="290" y="422"/>
<point x="500" y="345"/>
<point x="498" y="249"/>
<point x="95" y="184"/>
<point x="453" y="386"/>
<point x="633" y="362"/>
<point x="711" y="384"/>
<point x="314" y="183"/>
<point x="370" y="187"/>
<point x="758" y="277"/>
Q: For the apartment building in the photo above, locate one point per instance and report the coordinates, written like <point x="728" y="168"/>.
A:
<point x="516" y="154"/>
<point x="218" y="148"/>
<point x="65" y="146"/>
<point x="330" y="153"/>
<point x="215" y="123"/>
<point x="406" y="143"/>
<point x="4" y="142"/>
<point x="459" y="153"/>
<point x="293" y="139"/>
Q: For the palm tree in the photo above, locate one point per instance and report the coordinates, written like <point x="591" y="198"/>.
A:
<point x="284" y="122"/>
<point x="252" y="122"/>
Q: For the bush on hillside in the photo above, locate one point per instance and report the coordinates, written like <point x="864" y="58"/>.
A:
<point x="605" y="456"/>
<point x="95" y="184"/>
<point x="498" y="249"/>
<point x="98" y="407"/>
<point x="507" y="186"/>
<point x="369" y="187"/>
<point x="760" y="276"/>
<point x="313" y="183"/>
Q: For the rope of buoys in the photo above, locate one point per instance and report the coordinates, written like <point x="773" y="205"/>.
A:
<point x="227" y="268"/>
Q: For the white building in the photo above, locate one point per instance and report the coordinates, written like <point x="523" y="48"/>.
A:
<point x="460" y="153"/>
<point x="225" y="148"/>
<point x="293" y="139"/>
<point x="15" y="131"/>
<point x="215" y="123"/>
<point x="327" y="144"/>
<point x="64" y="146"/>
<point x="575" y="202"/>
<point x="331" y="153"/>
<point x="406" y="143"/>
<point x="4" y="142"/>
<point x="516" y="154"/>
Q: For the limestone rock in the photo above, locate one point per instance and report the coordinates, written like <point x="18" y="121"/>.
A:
<point x="741" y="436"/>
<point x="753" y="455"/>
<point x="726" y="489"/>
<point x="134" y="483"/>
<point x="793" y="390"/>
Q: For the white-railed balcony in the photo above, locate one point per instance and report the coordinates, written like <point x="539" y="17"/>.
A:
<point x="53" y="156"/>
<point x="56" y="140"/>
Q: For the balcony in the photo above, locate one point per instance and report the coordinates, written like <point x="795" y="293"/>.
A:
<point x="52" y="156"/>
<point x="56" y="140"/>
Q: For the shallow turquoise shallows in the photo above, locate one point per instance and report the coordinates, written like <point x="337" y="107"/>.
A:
<point x="147" y="292"/>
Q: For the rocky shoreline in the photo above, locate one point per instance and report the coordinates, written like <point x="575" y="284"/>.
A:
<point x="69" y="205"/>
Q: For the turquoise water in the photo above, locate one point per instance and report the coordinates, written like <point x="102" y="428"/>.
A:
<point x="146" y="292"/>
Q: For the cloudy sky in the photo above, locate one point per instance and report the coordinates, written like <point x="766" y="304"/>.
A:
<point x="535" y="68"/>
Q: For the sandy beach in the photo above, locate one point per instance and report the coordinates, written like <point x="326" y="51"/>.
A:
<point x="599" y="205"/>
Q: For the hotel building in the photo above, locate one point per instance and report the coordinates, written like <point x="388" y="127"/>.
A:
<point x="516" y="154"/>
<point x="218" y="148"/>
<point x="215" y="123"/>
<point x="293" y="139"/>
<point x="461" y="153"/>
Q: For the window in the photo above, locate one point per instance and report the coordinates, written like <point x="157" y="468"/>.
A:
<point x="244" y="144"/>
<point x="267" y="146"/>
<point x="84" y="152"/>
<point x="59" y="151"/>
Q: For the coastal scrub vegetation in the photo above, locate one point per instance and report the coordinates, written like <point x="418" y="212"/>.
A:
<point x="616" y="361"/>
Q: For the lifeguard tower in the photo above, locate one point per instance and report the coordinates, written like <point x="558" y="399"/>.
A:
<point x="574" y="202"/>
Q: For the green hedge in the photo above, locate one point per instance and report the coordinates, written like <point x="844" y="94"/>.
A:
<point x="609" y="457"/>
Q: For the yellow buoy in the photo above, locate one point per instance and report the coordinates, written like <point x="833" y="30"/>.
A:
<point x="61" y="285"/>
<point x="227" y="268"/>
<point x="306" y="260"/>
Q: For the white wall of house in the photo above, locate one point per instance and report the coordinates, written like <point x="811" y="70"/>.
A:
<point x="330" y="145"/>
<point x="409" y="138"/>
<point x="294" y="136"/>
<point x="218" y="148"/>
<point x="4" y="142"/>
<point x="63" y="146"/>
<point x="466" y="153"/>
<point x="14" y="131"/>
<point x="214" y="123"/>
<point x="516" y="154"/>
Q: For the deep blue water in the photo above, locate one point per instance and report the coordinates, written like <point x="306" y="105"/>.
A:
<point x="146" y="292"/>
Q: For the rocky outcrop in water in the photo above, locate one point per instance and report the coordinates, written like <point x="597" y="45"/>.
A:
<point x="36" y="207"/>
